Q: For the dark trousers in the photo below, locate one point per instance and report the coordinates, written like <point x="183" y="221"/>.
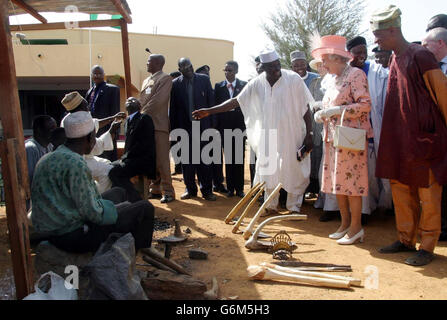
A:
<point x="136" y="218"/>
<point x="444" y="211"/>
<point x="120" y="176"/>
<point x="234" y="170"/>
<point x="217" y="172"/>
<point x="252" y="166"/>
<point x="203" y="171"/>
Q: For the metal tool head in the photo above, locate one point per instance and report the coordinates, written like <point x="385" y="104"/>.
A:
<point x="282" y="246"/>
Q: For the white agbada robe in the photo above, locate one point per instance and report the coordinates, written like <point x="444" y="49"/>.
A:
<point x="100" y="167"/>
<point x="280" y="108"/>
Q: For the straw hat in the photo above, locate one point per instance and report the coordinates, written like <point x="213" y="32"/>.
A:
<point x="331" y="45"/>
<point x="314" y="63"/>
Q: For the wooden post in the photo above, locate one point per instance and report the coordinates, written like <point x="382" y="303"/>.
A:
<point x="14" y="167"/>
<point x="126" y="57"/>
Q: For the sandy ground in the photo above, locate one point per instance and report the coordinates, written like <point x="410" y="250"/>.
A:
<point x="228" y="258"/>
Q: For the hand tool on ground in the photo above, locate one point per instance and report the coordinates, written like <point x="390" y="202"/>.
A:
<point x="152" y="253"/>
<point x="352" y="281"/>
<point x="265" y="273"/>
<point x="252" y="202"/>
<point x="253" y="243"/>
<point x="242" y="202"/>
<point x="173" y="239"/>
<point x="248" y="231"/>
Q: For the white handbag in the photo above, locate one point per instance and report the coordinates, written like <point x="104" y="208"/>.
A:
<point x="349" y="138"/>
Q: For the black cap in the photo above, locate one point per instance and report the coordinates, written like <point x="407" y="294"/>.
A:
<point x="355" y="42"/>
<point x="202" y="68"/>
<point x="440" y="20"/>
<point x="258" y="59"/>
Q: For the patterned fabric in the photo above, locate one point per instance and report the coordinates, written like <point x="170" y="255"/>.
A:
<point x="346" y="172"/>
<point x="64" y="195"/>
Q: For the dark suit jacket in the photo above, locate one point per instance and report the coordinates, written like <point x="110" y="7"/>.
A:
<point x="179" y="114"/>
<point x="107" y="103"/>
<point x="231" y="119"/>
<point x="139" y="150"/>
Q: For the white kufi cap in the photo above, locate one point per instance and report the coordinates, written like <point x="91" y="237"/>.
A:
<point x="268" y="56"/>
<point x="78" y="124"/>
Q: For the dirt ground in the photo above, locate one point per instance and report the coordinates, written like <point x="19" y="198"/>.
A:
<point x="228" y="259"/>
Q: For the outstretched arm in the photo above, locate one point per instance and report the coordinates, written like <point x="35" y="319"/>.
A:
<point x="226" y="106"/>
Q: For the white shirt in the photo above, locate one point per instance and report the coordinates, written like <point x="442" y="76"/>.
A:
<point x="231" y="90"/>
<point x="444" y="66"/>
<point x="277" y="112"/>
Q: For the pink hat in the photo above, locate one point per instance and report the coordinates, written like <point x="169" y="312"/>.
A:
<point x="331" y="45"/>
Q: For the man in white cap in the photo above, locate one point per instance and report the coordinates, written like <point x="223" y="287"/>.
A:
<point x="67" y="206"/>
<point x="299" y="65"/>
<point x="278" y="121"/>
<point x="100" y="167"/>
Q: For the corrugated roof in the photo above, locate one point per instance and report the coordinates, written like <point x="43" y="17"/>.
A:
<point x="83" y="6"/>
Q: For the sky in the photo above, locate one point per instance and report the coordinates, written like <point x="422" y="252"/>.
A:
<point x="240" y="21"/>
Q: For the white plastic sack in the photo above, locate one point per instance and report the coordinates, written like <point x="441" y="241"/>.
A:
<point x="57" y="289"/>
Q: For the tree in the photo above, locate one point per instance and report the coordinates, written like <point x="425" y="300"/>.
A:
<point x="290" y="28"/>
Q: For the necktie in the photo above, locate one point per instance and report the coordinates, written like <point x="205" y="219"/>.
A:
<point x="230" y="86"/>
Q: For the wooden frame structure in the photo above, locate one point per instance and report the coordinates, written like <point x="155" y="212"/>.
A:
<point x="12" y="147"/>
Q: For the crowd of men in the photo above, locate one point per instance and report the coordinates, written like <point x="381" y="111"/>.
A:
<point x="81" y="191"/>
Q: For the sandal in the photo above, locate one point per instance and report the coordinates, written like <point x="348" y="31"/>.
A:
<point x="421" y="258"/>
<point x="396" y="247"/>
<point x="269" y="212"/>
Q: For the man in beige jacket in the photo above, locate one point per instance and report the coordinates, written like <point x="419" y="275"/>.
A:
<point x="154" y="99"/>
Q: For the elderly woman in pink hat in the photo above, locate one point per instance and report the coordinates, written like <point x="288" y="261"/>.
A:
<point x="345" y="171"/>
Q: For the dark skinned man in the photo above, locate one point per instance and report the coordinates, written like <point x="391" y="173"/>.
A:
<point x="191" y="91"/>
<point x="227" y="122"/>
<point x="154" y="98"/>
<point x="40" y="143"/>
<point x="139" y="151"/>
<point x="67" y="207"/>
<point x="382" y="56"/>
<point x="276" y="111"/>
<point x="413" y="138"/>
<point x="104" y="101"/>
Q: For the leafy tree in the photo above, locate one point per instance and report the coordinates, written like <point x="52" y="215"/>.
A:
<point x="291" y="27"/>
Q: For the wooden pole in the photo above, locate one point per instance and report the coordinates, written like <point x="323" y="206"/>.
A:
<point x="62" y="25"/>
<point x="29" y="10"/>
<point x="119" y="6"/>
<point x="14" y="167"/>
<point x="126" y="57"/>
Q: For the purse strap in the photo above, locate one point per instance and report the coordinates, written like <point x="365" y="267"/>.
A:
<point x="343" y="115"/>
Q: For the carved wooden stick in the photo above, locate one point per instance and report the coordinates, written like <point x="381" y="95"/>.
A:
<point x="242" y="202"/>
<point x="252" y="202"/>
<point x="151" y="252"/>
<point x="352" y="281"/>
<point x="248" y="230"/>
<point x="264" y="273"/>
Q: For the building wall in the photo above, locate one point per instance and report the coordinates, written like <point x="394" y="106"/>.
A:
<point x="73" y="60"/>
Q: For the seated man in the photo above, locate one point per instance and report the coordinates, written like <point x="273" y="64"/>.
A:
<point x="67" y="206"/>
<point x="40" y="143"/>
<point x="100" y="167"/>
<point x="139" y="151"/>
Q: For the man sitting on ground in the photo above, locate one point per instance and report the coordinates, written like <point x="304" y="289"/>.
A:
<point x="67" y="206"/>
<point x="139" y="151"/>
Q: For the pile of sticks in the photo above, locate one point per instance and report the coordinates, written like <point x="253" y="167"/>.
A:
<point x="302" y="275"/>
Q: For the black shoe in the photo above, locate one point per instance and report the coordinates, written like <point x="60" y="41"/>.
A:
<point x="421" y="258"/>
<point x="210" y="197"/>
<point x="167" y="198"/>
<point x="154" y="195"/>
<point x="187" y="195"/>
<point x="364" y="219"/>
<point x="220" y="189"/>
<point x="230" y="194"/>
<point x="240" y="194"/>
<point x="443" y="236"/>
<point x="396" y="247"/>
<point x="327" y="216"/>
